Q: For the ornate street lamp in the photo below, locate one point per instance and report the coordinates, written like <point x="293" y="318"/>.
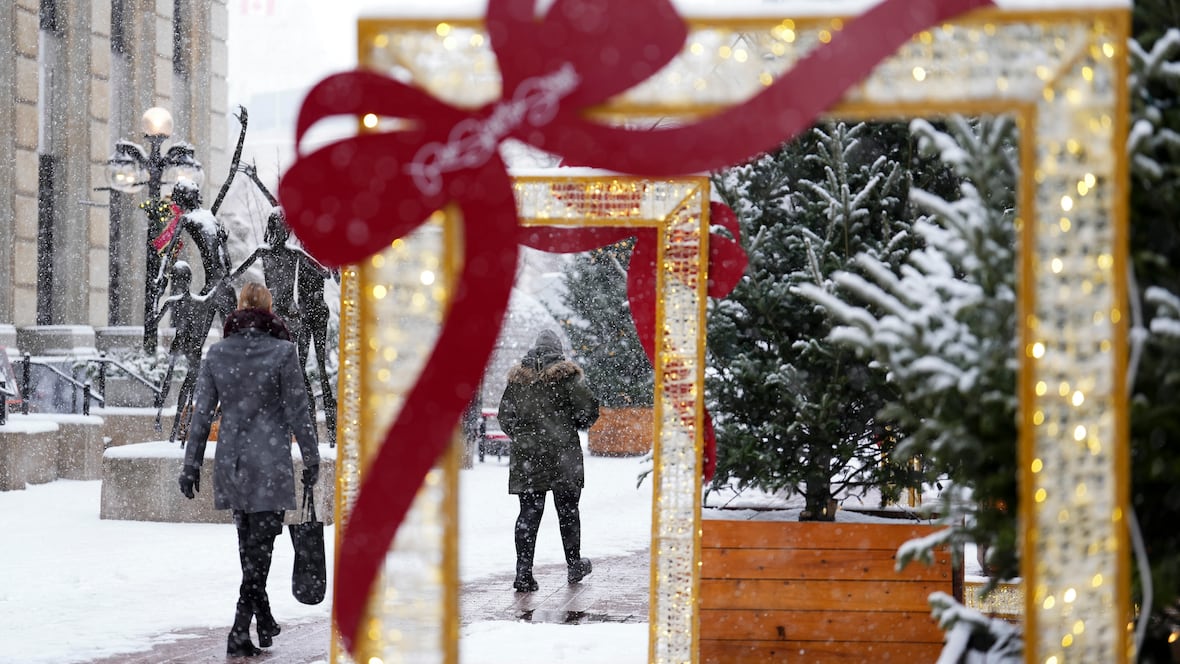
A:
<point x="129" y="169"/>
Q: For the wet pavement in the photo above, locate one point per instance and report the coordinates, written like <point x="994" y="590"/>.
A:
<point x="616" y="591"/>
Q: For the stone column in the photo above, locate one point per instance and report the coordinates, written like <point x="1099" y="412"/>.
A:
<point x="206" y="60"/>
<point x="18" y="162"/>
<point x="140" y="78"/>
<point x="8" y="60"/>
<point x="66" y="138"/>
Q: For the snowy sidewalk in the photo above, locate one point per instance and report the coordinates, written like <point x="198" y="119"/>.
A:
<point x="616" y="592"/>
<point x="76" y="588"/>
<point x="305" y="643"/>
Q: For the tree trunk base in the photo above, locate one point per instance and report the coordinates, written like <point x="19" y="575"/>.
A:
<point x="826" y="513"/>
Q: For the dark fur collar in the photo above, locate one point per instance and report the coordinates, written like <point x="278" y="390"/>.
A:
<point x="255" y="319"/>
<point x="553" y="373"/>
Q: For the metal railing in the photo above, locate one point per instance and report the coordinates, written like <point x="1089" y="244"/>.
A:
<point x="5" y="394"/>
<point x="78" y="386"/>
<point x="87" y="392"/>
<point x="103" y="361"/>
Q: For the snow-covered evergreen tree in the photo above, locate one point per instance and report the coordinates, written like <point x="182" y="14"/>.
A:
<point x="597" y="320"/>
<point x="943" y="326"/>
<point x="795" y="412"/>
<point x="1154" y="150"/>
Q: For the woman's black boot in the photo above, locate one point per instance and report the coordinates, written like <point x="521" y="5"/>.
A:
<point x="525" y="583"/>
<point x="578" y="570"/>
<point x="262" y="528"/>
<point x="268" y="629"/>
<point x="532" y="506"/>
<point x="239" y="644"/>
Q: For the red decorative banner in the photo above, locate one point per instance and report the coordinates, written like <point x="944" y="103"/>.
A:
<point x="165" y="235"/>
<point x="349" y="200"/>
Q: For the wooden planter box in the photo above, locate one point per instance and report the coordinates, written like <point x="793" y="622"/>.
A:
<point x="786" y="591"/>
<point x="622" y="432"/>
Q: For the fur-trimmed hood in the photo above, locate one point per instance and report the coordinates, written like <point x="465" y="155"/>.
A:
<point x="544" y="406"/>
<point x="257" y="319"/>
<point x="553" y="373"/>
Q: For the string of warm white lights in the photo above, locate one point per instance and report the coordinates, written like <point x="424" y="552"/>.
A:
<point x="1076" y="536"/>
<point x="402" y="298"/>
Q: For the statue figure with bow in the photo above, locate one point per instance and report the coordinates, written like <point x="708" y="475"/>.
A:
<point x="192" y="315"/>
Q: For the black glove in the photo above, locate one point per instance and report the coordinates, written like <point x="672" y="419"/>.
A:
<point x="311" y="474"/>
<point x="190" y="481"/>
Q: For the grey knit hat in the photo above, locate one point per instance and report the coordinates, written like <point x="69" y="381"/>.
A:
<point x="548" y="341"/>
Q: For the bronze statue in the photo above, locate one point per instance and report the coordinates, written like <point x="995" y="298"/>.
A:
<point x="210" y="239"/>
<point x="206" y="232"/>
<point x="191" y="317"/>
<point x="296" y="281"/>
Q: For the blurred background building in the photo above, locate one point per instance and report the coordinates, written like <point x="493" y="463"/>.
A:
<point x="80" y="74"/>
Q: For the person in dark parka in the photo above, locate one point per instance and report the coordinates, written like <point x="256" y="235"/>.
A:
<point x="544" y="405"/>
<point x="254" y="374"/>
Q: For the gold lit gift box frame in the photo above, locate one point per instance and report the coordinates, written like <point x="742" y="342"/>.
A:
<point x="392" y="306"/>
<point x="1061" y="73"/>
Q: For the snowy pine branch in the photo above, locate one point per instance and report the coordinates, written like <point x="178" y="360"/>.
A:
<point x="969" y="631"/>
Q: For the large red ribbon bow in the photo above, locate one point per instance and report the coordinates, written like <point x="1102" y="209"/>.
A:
<point x="349" y="200"/>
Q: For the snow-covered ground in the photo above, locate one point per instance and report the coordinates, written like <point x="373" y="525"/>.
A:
<point x="74" y="587"/>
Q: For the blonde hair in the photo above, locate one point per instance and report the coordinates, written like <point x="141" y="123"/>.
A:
<point x="254" y="296"/>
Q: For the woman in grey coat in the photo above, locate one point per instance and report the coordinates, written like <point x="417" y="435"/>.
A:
<point x="544" y="405"/>
<point x="254" y="374"/>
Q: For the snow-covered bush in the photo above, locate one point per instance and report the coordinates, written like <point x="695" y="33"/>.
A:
<point x="973" y="638"/>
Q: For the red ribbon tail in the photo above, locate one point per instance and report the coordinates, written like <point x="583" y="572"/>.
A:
<point x="709" y="466"/>
<point x="727" y="264"/>
<point x="641" y="290"/>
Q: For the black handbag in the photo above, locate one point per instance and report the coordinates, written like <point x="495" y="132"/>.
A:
<point x="309" y="577"/>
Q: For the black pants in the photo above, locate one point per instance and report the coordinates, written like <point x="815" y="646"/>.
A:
<point x="569" y="520"/>
<point x="256" y="540"/>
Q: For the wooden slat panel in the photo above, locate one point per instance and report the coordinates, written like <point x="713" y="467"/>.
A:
<point x="795" y="652"/>
<point x="774" y="591"/>
<point x="818" y="564"/>
<point x="809" y="535"/>
<point x="817" y="595"/>
<point x="873" y="626"/>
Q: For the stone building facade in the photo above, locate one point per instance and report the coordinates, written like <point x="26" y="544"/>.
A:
<point x="77" y="76"/>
